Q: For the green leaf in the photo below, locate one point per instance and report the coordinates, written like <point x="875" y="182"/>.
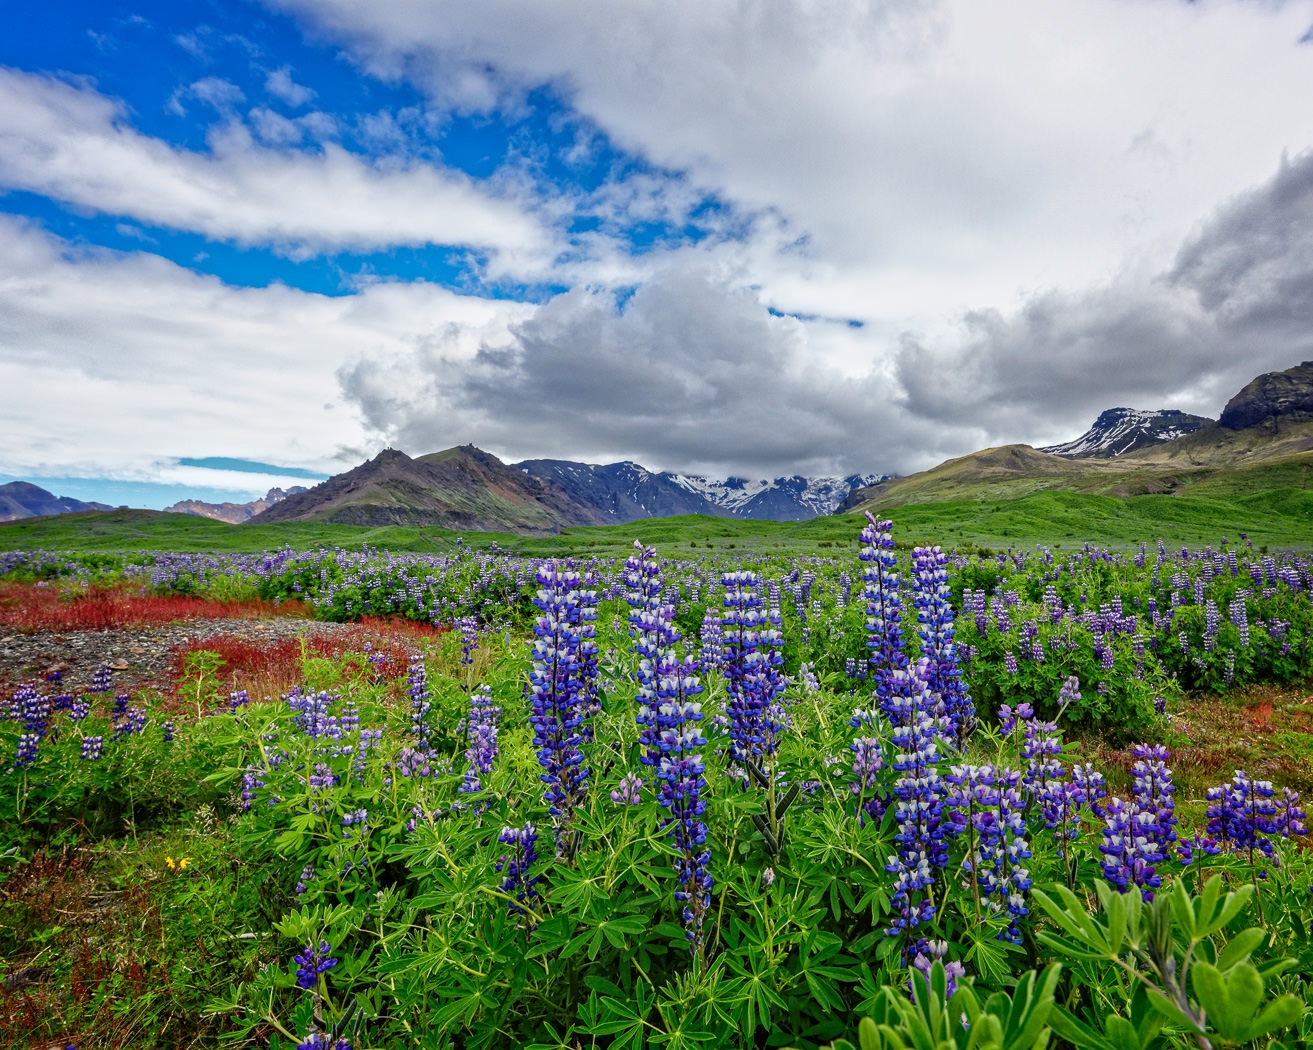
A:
<point x="1229" y="1000"/>
<point x="1240" y="948"/>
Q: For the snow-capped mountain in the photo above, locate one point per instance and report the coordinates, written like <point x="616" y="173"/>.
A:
<point x="627" y="491"/>
<point x="1121" y="430"/>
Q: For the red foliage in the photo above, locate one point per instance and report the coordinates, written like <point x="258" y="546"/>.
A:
<point x="31" y="607"/>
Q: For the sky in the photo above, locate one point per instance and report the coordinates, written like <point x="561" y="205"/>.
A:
<point x="247" y="244"/>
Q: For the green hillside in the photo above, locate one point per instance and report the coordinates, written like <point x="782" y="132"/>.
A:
<point x="1277" y="518"/>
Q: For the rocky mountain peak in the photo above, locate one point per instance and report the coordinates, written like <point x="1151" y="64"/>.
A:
<point x="1121" y="430"/>
<point x="1287" y="395"/>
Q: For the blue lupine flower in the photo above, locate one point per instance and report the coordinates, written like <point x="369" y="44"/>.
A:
<point x="92" y="747"/>
<point x="1243" y="818"/>
<point x="517" y="882"/>
<point x="884" y="629"/>
<point x="101" y="681"/>
<point x="629" y="792"/>
<point x="481" y="733"/>
<point x="311" y="963"/>
<point x="420" y="697"/>
<point x="469" y="638"/>
<point x="323" y="1041"/>
<point x="934" y="615"/>
<point x="237" y="699"/>
<point x="562" y="648"/>
<point x="751" y="663"/>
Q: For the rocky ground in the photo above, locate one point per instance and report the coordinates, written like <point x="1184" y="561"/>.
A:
<point x="141" y="657"/>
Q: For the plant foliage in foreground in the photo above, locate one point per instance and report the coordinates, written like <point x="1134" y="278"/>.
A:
<point x="696" y="804"/>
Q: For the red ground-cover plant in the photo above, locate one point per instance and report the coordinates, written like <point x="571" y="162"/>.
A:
<point x="269" y="668"/>
<point x="31" y="607"/>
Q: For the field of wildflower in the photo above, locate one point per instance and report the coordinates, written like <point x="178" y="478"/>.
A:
<point x="878" y="797"/>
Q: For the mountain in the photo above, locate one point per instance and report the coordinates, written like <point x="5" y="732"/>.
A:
<point x="232" y="513"/>
<point x="21" y="499"/>
<point x="1263" y="441"/>
<point x="1287" y="396"/>
<point x="1121" y="430"/>
<point x="460" y="488"/>
<point x="624" y="492"/>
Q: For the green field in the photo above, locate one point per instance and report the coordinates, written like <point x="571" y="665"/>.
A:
<point x="1277" y="519"/>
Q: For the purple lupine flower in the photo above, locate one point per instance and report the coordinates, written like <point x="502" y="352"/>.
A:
<point x="303" y="883"/>
<point x="252" y="781"/>
<point x="34" y="711"/>
<point x="868" y="760"/>
<point x="1242" y="816"/>
<point x="924" y="960"/>
<point x="481" y="733"/>
<point x="412" y="763"/>
<point x="517" y="882"/>
<point x="101" y="681"/>
<point x="711" y="639"/>
<point x="884" y="616"/>
<point x="934" y="615"/>
<point x="1189" y="849"/>
<point x="1010" y="662"/>
<point x="420" y="698"/>
<point x="651" y="626"/>
<point x="78" y="710"/>
<point x="311" y="963"/>
<point x="1130" y="856"/>
<point x="751" y="664"/>
<point x="323" y="1041"/>
<point x="1289" y="819"/>
<point x="919" y="807"/>
<point x="1004" y="847"/>
<point x="1153" y="793"/>
<point x="92" y="747"/>
<point x="629" y="792"/>
<point x="563" y="642"/>
<point x="237" y="699"/>
<point x="1069" y="693"/>
<point x="469" y="638"/>
<point x="167" y="726"/>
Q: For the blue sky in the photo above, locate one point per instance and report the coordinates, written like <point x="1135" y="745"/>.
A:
<point x="711" y="237"/>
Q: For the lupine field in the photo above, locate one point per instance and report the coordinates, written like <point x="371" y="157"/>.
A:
<point x="882" y="798"/>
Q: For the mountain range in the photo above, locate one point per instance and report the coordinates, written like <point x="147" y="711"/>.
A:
<point x="467" y="488"/>
<point x="233" y="513"/>
<point x="22" y="499"/>
<point x="1262" y="440"/>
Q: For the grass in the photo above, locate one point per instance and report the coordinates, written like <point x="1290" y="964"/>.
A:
<point x="1277" y="518"/>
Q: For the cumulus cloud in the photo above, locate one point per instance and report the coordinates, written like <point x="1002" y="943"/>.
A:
<point x="1236" y="301"/>
<point x="280" y="84"/>
<point x="119" y="363"/>
<point x="928" y="155"/>
<point x="71" y="143"/>
<point x="691" y="373"/>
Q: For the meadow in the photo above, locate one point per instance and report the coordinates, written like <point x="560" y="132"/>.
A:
<point x="735" y="785"/>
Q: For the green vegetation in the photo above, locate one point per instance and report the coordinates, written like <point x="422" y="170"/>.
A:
<point x="1277" y="518"/>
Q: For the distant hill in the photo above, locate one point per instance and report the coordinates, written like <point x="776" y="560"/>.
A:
<point x="233" y="513"/>
<point x="624" y="492"/>
<point x="21" y="499"/>
<point x="1263" y="440"/>
<point x="460" y="488"/>
<point x="1121" y="430"/>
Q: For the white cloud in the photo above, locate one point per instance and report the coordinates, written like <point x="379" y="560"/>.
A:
<point x="71" y="143"/>
<point x="114" y="363"/>
<point x="280" y="84"/>
<point x="935" y="154"/>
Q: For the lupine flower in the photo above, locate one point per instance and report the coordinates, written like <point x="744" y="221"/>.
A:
<point x="751" y="664"/>
<point x="34" y="711"/>
<point x="934" y="615"/>
<point x="469" y="638"/>
<point x="323" y="1041"/>
<point x="1153" y="793"/>
<point x="420" y="697"/>
<point x="629" y="791"/>
<point x="482" y="735"/>
<point x="102" y="679"/>
<point x="985" y="804"/>
<point x="884" y="631"/>
<point x="1289" y="817"/>
<point x="1130" y="857"/>
<point x="868" y="760"/>
<point x="92" y="747"/>
<point x="168" y="731"/>
<point x="1069" y="693"/>
<point x="412" y="763"/>
<point x="517" y="882"/>
<point x="311" y="963"/>
<point x="1242" y="816"/>
<point x="563" y="643"/>
<point x="711" y="639"/>
<point x="919" y="796"/>
<point x="303" y="883"/>
<point x="78" y="710"/>
<point x="925" y="959"/>
<point x="237" y="699"/>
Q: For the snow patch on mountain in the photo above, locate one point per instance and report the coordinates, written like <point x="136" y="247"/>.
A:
<point x="1121" y="430"/>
